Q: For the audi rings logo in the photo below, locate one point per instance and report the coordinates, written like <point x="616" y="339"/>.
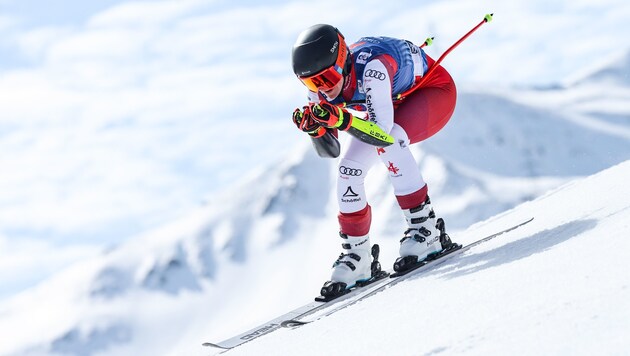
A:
<point x="371" y="73"/>
<point x="350" y="171"/>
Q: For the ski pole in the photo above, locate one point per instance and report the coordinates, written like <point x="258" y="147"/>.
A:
<point x="374" y="135"/>
<point x="428" y="42"/>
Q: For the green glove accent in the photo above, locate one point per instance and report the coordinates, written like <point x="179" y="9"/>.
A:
<point x="332" y="116"/>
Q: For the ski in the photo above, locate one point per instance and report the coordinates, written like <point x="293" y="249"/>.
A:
<point x="320" y="302"/>
<point x="276" y="323"/>
<point x="396" y="277"/>
<point x="318" y="309"/>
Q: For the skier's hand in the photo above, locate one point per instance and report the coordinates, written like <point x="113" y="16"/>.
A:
<point x="331" y="116"/>
<point x="304" y="121"/>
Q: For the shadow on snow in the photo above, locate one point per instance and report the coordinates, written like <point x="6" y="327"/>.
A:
<point x="515" y="250"/>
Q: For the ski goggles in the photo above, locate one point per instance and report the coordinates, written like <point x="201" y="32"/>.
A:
<point x="329" y="77"/>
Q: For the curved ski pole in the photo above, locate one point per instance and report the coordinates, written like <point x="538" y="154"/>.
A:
<point x="486" y="18"/>
<point x="326" y="146"/>
<point x="369" y="132"/>
<point x="364" y="130"/>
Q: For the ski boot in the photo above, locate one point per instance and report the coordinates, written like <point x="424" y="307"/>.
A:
<point x="353" y="268"/>
<point x="424" y="240"/>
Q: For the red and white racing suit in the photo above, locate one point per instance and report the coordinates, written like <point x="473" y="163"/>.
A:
<point x="420" y="115"/>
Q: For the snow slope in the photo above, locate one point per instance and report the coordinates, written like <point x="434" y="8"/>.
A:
<point x="559" y="285"/>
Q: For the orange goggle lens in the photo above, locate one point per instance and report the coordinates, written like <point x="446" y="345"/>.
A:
<point x="325" y="80"/>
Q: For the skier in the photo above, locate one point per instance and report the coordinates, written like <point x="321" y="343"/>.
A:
<point x="372" y="72"/>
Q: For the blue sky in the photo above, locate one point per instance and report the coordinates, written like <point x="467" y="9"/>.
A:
<point x="118" y="116"/>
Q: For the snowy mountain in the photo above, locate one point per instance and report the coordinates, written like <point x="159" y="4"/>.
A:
<point x="617" y="73"/>
<point x="235" y="262"/>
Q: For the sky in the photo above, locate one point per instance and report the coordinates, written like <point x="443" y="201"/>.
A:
<point x="119" y="116"/>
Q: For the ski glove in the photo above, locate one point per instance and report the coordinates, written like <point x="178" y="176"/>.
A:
<point x="331" y="116"/>
<point x="304" y="121"/>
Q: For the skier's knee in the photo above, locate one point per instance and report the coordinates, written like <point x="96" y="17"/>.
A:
<point x="400" y="136"/>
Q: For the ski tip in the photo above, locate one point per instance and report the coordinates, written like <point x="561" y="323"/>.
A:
<point x="525" y="222"/>
<point x="209" y="344"/>
<point x="292" y="323"/>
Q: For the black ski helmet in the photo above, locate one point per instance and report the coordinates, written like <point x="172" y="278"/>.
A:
<point x="317" y="49"/>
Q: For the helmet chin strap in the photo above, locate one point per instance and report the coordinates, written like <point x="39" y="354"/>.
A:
<point x="348" y="82"/>
<point x="347" y="68"/>
<point x="347" y="72"/>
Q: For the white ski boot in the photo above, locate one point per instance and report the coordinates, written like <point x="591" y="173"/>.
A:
<point x="353" y="267"/>
<point x="424" y="239"/>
